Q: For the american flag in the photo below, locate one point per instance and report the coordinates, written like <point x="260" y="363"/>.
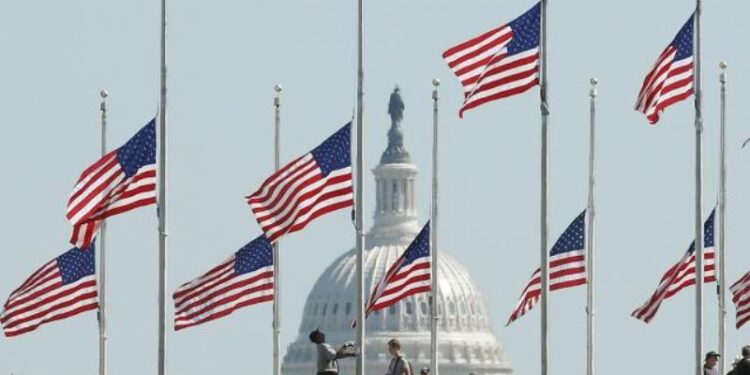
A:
<point x="64" y="287"/>
<point x="244" y="279"/>
<point x="741" y="298"/>
<point x="671" y="79"/>
<point x="567" y="267"/>
<point x="499" y="63"/>
<point x="409" y="275"/>
<point x="682" y="274"/>
<point x="122" y="180"/>
<point x="310" y="186"/>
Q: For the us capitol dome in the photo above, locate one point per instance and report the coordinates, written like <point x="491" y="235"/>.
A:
<point x="466" y="342"/>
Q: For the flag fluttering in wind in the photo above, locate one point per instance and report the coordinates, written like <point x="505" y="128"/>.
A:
<point x="311" y="186"/>
<point x="671" y="79"/>
<point x="409" y="275"/>
<point x="567" y="267"/>
<point x="122" y="180"/>
<point x="245" y="279"/>
<point x="62" y="288"/>
<point x="741" y="298"/>
<point x="499" y="63"/>
<point x="682" y="274"/>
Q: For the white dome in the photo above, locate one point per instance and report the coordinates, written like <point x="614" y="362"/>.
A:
<point x="466" y="341"/>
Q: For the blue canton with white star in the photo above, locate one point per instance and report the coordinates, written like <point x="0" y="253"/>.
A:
<point x="335" y="152"/>
<point x="573" y="238"/>
<point x="708" y="233"/>
<point x="683" y="42"/>
<point x="419" y="248"/>
<point x="526" y="30"/>
<point x="255" y="255"/>
<point x="139" y="150"/>
<point x="76" y="264"/>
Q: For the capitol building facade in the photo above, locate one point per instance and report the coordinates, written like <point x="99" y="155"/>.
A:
<point x="466" y="342"/>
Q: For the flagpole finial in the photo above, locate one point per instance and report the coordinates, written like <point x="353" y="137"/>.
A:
<point x="435" y="82"/>
<point x="723" y="65"/>
<point x="103" y="94"/>
<point x="277" y="99"/>
<point x="593" y="82"/>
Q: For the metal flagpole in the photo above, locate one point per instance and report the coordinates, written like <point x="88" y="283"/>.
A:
<point x="276" y="257"/>
<point x="698" y="197"/>
<point x="433" y="232"/>
<point x="590" y="239"/>
<point x="102" y="257"/>
<point x="544" y="192"/>
<point x="359" y="199"/>
<point x="722" y="220"/>
<point x="163" y="197"/>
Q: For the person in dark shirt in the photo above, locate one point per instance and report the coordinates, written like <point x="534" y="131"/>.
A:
<point x="743" y="366"/>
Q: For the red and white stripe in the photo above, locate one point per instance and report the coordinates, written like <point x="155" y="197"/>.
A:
<point x="677" y="278"/>
<point x="566" y="270"/>
<point x="103" y="190"/>
<point x="219" y="293"/>
<point x="43" y="298"/>
<point x="741" y="298"/>
<point x="667" y="83"/>
<point x="487" y="72"/>
<point x="298" y="193"/>
<point x="400" y="283"/>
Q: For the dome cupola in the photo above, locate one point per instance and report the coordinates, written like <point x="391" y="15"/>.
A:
<point x="395" y="209"/>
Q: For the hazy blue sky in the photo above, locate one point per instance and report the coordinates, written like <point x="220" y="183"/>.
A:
<point x="224" y="58"/>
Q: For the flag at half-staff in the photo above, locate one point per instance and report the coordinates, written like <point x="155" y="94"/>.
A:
<point x="682" y="274"/>
<point x="409" y="275"/>
<point x="245" y="279"/>
<point x="122" y="180"/>
<point x="62" y="288"/>
<point x="567" y="267"/>
<point x="671" y="78"/>
<point x="741" y="298"/>
<point x="499" y="63"/>
<point x="311" y="186"/>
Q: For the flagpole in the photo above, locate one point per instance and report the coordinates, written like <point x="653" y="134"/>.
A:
<point x="276" y="257"/>
<point x="359" y="199"/>
<point x="590" y="314"/>
<point x="698" y="197"/>
<point x="544" y="192"/>
<point x="433" y="233"/>
<point x="722" y="215"/>
<point x="102" y="256"/>
<point x="162" y="354"/>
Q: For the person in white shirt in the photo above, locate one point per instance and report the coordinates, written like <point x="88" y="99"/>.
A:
<point x="711" y="364"/>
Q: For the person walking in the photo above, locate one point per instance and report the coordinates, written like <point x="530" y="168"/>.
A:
<point x="398" y="365"/>
<point x="711" y="363"/>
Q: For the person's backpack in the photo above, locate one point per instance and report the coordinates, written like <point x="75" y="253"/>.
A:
<point x="408" y="363"/>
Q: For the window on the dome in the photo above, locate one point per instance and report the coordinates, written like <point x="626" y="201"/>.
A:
<point x="423" y="307"/>
<point x="451" y="308"/>
<point x="316" y="309"/>
<point x="348" y="308"/>
<point x="409" y="308"/>
<point x="392" y="309"/>
<point x="325" y="308"/>
<point x="335" y="308"/>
